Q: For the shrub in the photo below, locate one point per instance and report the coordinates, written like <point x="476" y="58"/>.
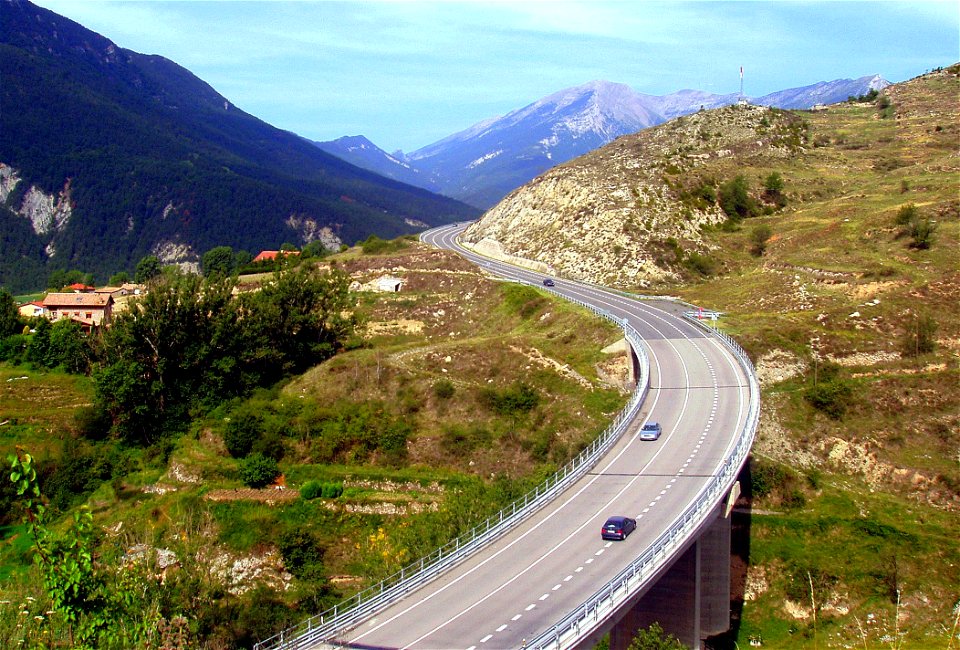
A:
<point x="922" y="232"/>
<point x="331" y="490"/>
<point x="832" y="397"/>
<point x="735" y="199"/>
<point x="461" y="440"/>
<point x="301" y="552"/>
<point x="920" y="337"/>
<point x="702" y="264"/>
<point x="311" y="490"/>
<point x="519" y="398"/>
<point x="242" y="432"/>
<point x="759" y="236"/>
<point x="906" y="214"/>
<point x="443" y="389"/>
<point x="257" y="471"/>
<point x="766" y="477"/>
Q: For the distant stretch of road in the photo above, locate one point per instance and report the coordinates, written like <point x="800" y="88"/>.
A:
<point x="526" y="581"/>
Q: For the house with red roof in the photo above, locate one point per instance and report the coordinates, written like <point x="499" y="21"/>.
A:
<point x="266" y="256"/>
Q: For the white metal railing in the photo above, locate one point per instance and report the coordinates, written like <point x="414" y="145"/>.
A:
<point x="592" y="612"/>
<point x="323" y="627"/>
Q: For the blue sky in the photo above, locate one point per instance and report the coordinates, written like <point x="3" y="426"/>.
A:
<point x="406" y="74"/>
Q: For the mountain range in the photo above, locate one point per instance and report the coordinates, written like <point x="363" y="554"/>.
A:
<point x="483" y="163"/>
<point x="107" y="156"/>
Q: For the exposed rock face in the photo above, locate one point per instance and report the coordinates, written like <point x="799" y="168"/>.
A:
<point x="609" y="216"/>
<point x="47" y="213"/>
<point x="178" y="253"/>
<point x="8" y="181"/>
<point x="309" y="230"/>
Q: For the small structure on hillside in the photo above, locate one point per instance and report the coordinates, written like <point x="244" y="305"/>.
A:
<point x="267" y="256"/>
<point x="389" y="284"/>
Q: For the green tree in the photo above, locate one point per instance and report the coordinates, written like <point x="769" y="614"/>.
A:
<point x="219" y="260"/>
<point x="68" y="348"/>
<point x="147" y="269"/>
<point x="118" y="278"/>
<point x="654" y="638"/>
<point x="922" y="233"/>
<point x="243" y="430"/>
<point x="175" y="350"/>
<point x="773" y="189"/>
<point x="60" y="278"/>
<point x="10" y="322"/>
<point x="298" y="319"/>
<point x="314" y="249"/>
<point x="735" y="198"/>
<point x="257" y="470"/>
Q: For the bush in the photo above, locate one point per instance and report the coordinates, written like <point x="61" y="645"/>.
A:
<point x="922" y="233"/>
<point x="257" y="471"/>
<point x="461" y="440"/>
<point x="920" y="337"/>
<point x="311" y="490"/>
<point x="331" y="490"/>
<point x="519" y="398"/>
<point x="759" y="236"/>
<point x="766" y="477"/>
<point x="735" y="199"/>
<point x="242" y="432"/>
<point x="832" y="397"/>
<point x="702" y="264"/>
<point x="906" y="214"/>
<point x="443" y="389"/>
<point x="302" y="553"/>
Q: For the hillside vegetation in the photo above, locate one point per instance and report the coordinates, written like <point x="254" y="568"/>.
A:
<point x="829" y="240"/>
<point x="223" y="525"/>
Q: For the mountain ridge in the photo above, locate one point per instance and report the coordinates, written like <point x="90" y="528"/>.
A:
<point x="482" y="163"/>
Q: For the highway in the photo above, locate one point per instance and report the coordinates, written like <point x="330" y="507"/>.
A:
<point x="526" y="581"/>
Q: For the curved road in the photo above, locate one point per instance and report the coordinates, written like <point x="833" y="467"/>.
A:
<point x="530" y="578"/>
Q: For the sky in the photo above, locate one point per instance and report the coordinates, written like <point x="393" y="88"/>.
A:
<point x="406" y="74"/>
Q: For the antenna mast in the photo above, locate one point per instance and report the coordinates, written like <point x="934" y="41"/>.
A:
<point x="742" y="101"/>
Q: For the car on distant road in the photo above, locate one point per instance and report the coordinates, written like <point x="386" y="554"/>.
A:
<point x="651" y="431"/>
<point x="618" y="528"/>
<point x="547" y="282"/>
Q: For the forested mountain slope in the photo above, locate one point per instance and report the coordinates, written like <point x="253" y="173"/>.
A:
<point x="108" y="155"/>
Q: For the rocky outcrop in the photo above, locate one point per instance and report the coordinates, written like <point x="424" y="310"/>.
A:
<point x="179" y="254"/>
<point x="48" y="214"/>
<point x="618" y="215"/>
<point x="309" y="230"/>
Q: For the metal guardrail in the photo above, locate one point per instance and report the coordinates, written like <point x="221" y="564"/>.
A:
<point x="325" y="626"/>
<point x="589" y="615"/>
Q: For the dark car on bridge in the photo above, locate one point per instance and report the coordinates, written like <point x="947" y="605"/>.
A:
<point x="547" y="282"/>
<point x="618" y="528"/>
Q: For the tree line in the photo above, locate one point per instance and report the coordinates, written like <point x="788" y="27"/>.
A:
<point x="189" y="344"/>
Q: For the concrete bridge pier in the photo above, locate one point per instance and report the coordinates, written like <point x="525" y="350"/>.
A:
<point x="691" y="600"/>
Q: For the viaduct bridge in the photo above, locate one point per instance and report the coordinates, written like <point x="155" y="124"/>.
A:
<point x="538" y="575"/>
